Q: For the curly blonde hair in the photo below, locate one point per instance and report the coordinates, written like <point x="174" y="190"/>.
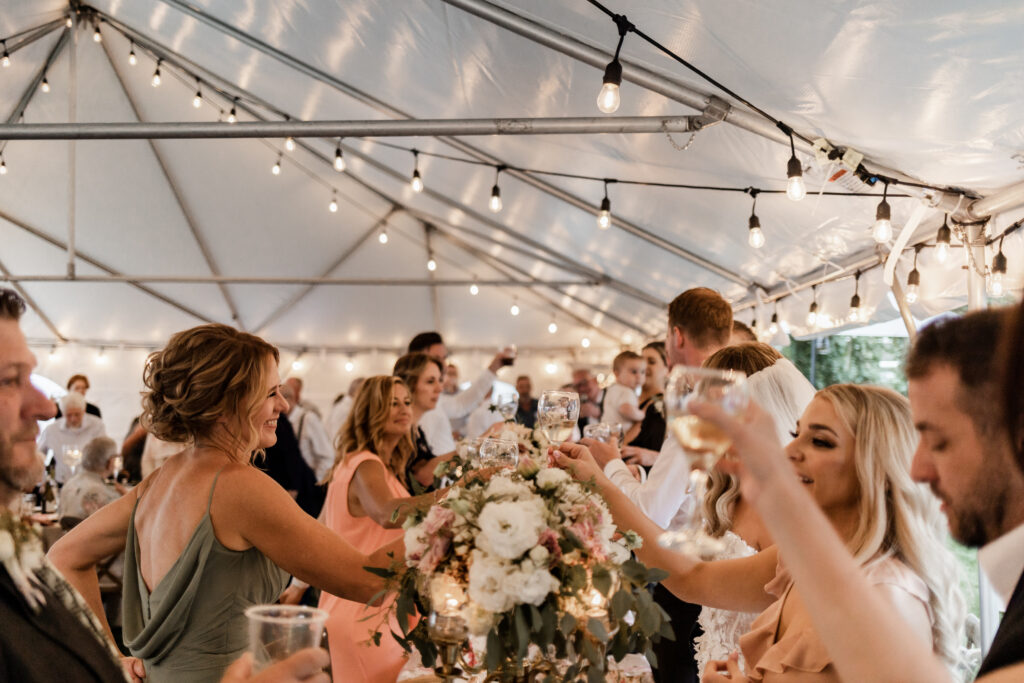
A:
<point x="203" y="375"/>
<point x="898" y="517"/>
<point x="364" y="427"/>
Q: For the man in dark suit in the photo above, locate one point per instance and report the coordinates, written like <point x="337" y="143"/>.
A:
<point x="967" y="458"/>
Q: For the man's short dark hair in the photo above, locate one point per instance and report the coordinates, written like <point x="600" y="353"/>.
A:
<point x="703" y="315"/>
<point x="11" y="305"/>
<point x="966" y="344"/>
<point x="423" y="341"/>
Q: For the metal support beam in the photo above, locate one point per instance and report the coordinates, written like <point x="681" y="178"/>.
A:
<point x="102" y="266"/>
<point x="181" y="61"/>
<point x="331" y="281"/>
<point x="204" y="249"/>
<point x="32" y="304"/>
<point x="1002" y="200"/>
<point x="901" y="304"/>
<point x="33" y="86"/>
<point x="857" y="262"/>
<point x="299" y="296"/>
<point x="464" y="147"/>
<point x="149" y="130"/>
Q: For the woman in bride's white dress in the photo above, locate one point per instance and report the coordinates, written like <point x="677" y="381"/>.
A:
<point x="780" y="388"/>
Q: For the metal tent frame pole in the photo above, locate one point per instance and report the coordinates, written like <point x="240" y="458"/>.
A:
<point x="287" y="280"/>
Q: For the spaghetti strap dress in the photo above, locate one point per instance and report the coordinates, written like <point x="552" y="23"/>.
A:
<point x="192" y="625"/>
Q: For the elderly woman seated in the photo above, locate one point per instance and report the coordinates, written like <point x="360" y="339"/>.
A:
<point x="88" y="490"/>
<point x="70" y="433"/>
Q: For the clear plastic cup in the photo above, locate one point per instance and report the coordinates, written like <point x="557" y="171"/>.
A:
<point x="278" y="631"/>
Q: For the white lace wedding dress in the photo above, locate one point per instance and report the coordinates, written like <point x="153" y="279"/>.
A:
<point x="723" y="628"/>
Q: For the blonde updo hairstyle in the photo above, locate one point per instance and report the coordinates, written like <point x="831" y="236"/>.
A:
<point x="363" y="429"/>
<point x="724" y="489"/>
<point x="204" y="375"/>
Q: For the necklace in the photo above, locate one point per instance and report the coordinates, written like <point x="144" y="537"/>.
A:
<point x="21" y="553"/>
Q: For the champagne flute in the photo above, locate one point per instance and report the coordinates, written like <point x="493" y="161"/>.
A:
<point x="557" y="413"/>
<point x="703" y="443"/>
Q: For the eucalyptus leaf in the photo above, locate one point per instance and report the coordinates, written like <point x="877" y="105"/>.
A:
<point x="567" y="624"/>
<point x="655" y="575"/>
<point x="622" y="602"/>
<point x="590" y="652"/>
<point x="597" y="628"/>
<point x="522" y="631"/>
<point x="602" y="579"/>
<point x="495" y="650"/>
<point x="595" y="675"/>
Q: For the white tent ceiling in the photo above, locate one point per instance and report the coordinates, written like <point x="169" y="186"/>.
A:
<point x="930" y="89"/>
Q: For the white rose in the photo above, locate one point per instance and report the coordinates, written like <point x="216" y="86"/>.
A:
<point x="532" y="587"/>
<point x="503" y="487"/>
<point x="539" y="554"/>
<point x="488" y="583"/>
<point x="618" y="552"/>
<point x="6" y="546"/>
<point x="551" y="477"/>
<point x="510" y="528"/>
<point x="414" y="545"/>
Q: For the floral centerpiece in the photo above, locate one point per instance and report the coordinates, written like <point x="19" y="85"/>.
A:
<point x="528" y="558"/>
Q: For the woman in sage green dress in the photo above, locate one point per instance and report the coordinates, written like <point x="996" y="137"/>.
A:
<point x="208" y="534"/>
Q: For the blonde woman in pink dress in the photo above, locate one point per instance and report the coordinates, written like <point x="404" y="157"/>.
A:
<point x="367" y="501"/>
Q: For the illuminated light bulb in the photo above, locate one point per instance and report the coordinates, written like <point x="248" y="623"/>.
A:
<point x="994" y="281"/>
<point x="495" y="203"/>
<point x="551" y="368"/>
<point x="156" y="78"/>
<point x="132" y="59"/>
<point x="45" y="85"/>
<point x="289" y="144"/>
<point x="197" y="101"/>
<point x="6" y="59"/>
<point x="795" y="188"/>
<point x="913" y="286"/>
<point x="97" y="37"/>
<point x="232" y="115"/>
<point x="333" y="206"/>
<point x="276" y="168"/>
<point x="431" y="265"/>
<point x="812" y="314"/>
<point x="3" y="167"/>
<point x="68" y="22"/>
<point x="608" y="99"/>
<point x="882" y="230"/>
<point x="383" y="237"/>
<point x="349" y="366"/>
<point x="755" y="236"/>
<point x="417" y="182"/>
<point x="339" y="160"/>
<point x="585" y="342"/>
<point x="855" y="309"/>
<point x="552" y="327"/>
<point x="604" y="216"/>
<point x="473" y="289"/>
<point x="773" y="327"/>
<point x="101" y="356"/>
<point x="296" y="364"/>
<point x="942" y="240"/>
<point x="514" y="310"/>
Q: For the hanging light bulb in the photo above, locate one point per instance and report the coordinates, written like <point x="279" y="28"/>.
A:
<point x="68" y="22"/>
<point x="755" y="236"/>
<point x="856" y="313"/>
<point x="333" y="206"/>
<point x="608" y="99"/>
<point x="3" y="165"/>
<point x="514" y="309"/>
<point x="942" y="240"/>
<point x="812" y="312"/>
<point x="156" y="74"/>
<point x="132" y="60"/>
<point x="349" y="365"/>
<point x="5" y="60"/>
<point x="604" y="216"/>
<point x="339" y="159"/>
<point x="431" y="264"/>
<point x="276" y="168"/>
<point x="913" y="281"/>
<point x="383" y="237"/>
<point x="416" y="182"/>
<point x="495" y="203"/>
<point x="882" y="230"/>
<point x="773" y="326"/>
<point x="795" y="187"/>
<point x="289" y="143"/>
<point x="44" y="85"/>
<point x="994" y="281"/>
<point x="232" y="115"/>
<point x="585" y="342"/>
<point x="473" y="289"/>
<point x="552" y="326"/>
<point x="97" y="37"/>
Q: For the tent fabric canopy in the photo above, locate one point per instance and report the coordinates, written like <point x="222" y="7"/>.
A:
<point x="931" y="90"/>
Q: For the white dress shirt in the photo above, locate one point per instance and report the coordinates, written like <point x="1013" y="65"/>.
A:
<point x="337" y="417"/>
<point x="58" y="434"/>
<point x="1003" y="562"/>
<point x="314" y="443"/>
<point x="480" y="419"/>
<point x="436" y="424"/>
<point x="665" y="496"/>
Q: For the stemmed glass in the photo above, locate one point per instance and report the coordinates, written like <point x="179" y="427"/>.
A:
<point x="702" y="442"/>
<point x="557" y="413"/>
<point x="498" y="453"/>
<point x="507" y="404"/>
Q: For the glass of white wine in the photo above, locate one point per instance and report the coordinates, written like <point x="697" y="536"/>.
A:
<point x="702" y="442"/>
<point x="507" y="404"/>
<point x="498" y="453"/>
<point x="557" y="413"/>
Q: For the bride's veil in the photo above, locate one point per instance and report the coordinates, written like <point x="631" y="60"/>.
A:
<point x="783" y="391"/>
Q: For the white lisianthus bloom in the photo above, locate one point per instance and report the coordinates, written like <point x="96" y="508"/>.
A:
<point x="503" y="487"/>
<point x="509" y="528"/>
<point x="617" y="552"/>
<point x="488" y="582"/>
<point x="415" y="545"/>
<point x="551" y="477"/>
<point x="533" y="585"/>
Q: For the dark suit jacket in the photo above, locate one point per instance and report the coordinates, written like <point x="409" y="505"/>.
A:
<point x="49" y="646"/>
<point x="1008" y="645"/>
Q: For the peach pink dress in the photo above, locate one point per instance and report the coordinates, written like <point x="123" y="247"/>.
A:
<point x="795" y="654"/>
<point x="354" y="657"/>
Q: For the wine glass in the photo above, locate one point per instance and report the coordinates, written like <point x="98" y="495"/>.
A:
<point x="615" y="434"/>
<point x="702" y="442"/>
<point x="557" y="413"/>
<point x="72" y="455"/>
<point x="507" y="404"/>
<point x="499" y="453"/>
<point x="598" y="432"/>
